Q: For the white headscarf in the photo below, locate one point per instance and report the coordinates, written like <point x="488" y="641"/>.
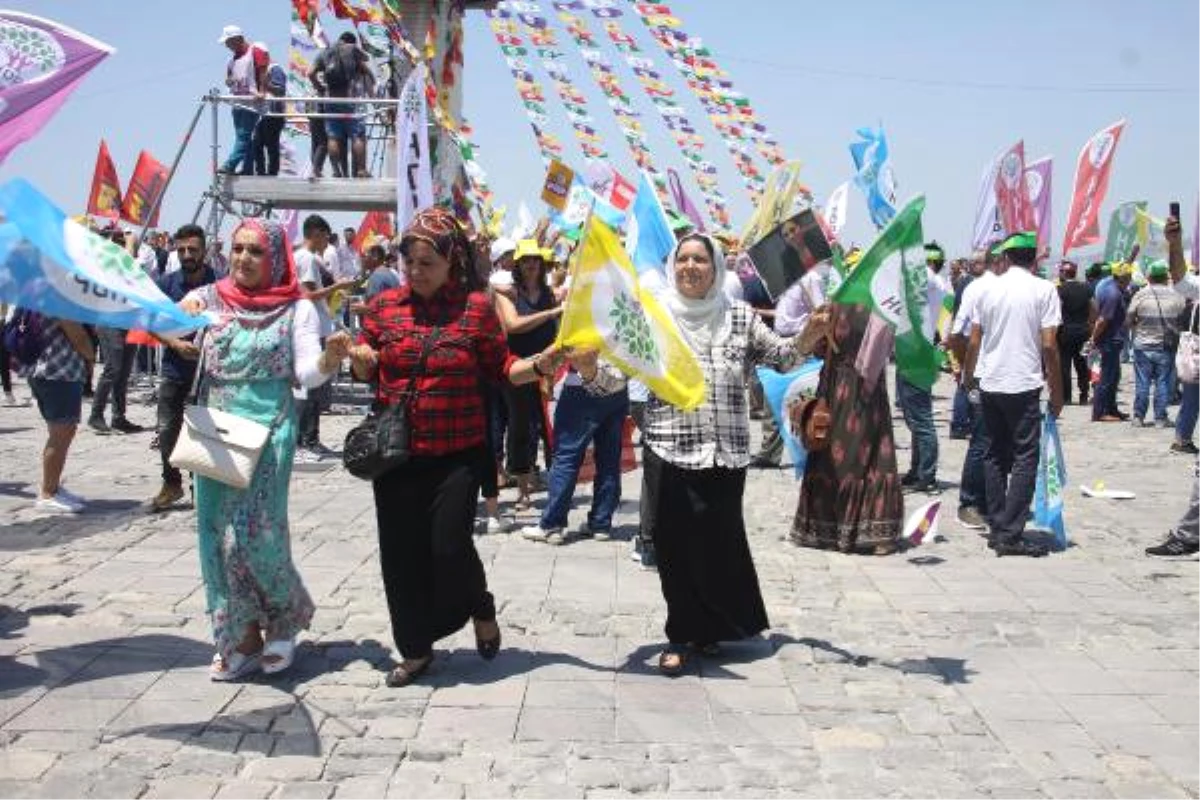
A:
<point x="703" y="322"/>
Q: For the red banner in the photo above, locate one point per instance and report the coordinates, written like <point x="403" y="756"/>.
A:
<point x="1011" y="198"/>
<point x="1091" y="184"/>
<point x="375" y="223"/>
<point x="105" y="198"/>
<point x="148" y="182"/>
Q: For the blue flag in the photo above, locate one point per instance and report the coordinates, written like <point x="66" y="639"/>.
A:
<point x="781" y="391"/>
<point x="874" y="175"/>
<point x="648" y="240"/>
<point x="54" y="265"/>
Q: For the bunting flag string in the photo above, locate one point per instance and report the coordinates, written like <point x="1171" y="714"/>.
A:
<point x="729" y="110"/>
<point x="690" y="142"/>
<point x="628" y="120"/>
<point x="545" y="44"/>
<point x="530" y="91"/>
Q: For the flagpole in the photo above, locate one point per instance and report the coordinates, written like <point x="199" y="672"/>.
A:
<point x="187" y="137"/>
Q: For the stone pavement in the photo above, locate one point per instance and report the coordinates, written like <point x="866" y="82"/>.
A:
<point x="943" y="671"/>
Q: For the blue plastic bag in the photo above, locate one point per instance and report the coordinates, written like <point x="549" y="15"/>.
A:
<point x="1051" y="481"/>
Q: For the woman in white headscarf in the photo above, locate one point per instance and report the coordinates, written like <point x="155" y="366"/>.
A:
<point x="695" y="461"/>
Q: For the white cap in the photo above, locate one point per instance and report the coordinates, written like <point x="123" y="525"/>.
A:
<point x="500" y="279"/>
<point x="230" y="32"/>
<point x="502" y="247"/>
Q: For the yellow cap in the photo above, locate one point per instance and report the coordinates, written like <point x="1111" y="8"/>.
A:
<point x="528" y="248"/>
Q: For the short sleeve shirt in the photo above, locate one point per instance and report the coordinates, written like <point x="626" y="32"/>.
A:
<point x="308" y="270"/>
<point x="1110" y="305"/>
<point x="1013" y="311"/>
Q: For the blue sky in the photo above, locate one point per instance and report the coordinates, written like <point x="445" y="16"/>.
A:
<point x="954" y="84"/>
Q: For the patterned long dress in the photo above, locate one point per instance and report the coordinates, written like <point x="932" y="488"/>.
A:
<point x="245" y="547"/>
<point x="851" y="498"/>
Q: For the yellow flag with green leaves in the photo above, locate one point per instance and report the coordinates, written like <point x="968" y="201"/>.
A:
<point x="607" y="311"/>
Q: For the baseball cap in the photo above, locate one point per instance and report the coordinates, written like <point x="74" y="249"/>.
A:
<point x="1122" y="269"/>
<point x="230" y="32"/>
<point x="500" y="248"/>
<point x="500" y="279"/>
<point x="1158" y="269"/>
<point x="1025" y="240"/>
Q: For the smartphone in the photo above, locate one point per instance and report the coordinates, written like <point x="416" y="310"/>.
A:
<point x="1175" y="209"/>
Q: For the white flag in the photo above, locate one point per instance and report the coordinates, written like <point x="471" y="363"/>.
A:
<point x="988" y="228"/>
<point x="415" y="185"/>
<point x="835" y="209"/>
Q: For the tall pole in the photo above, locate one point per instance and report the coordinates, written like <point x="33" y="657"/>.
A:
<point x="157" y="202"/>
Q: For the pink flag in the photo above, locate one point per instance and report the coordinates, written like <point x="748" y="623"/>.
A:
<point x="683" y="203"/>
<point x="41" y="63"/>
<point x="1011" y="199"/>
<point x="1038" y="177"/>
<point x="1091" y="184"/>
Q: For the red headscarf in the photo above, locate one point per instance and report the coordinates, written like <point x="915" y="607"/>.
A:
<point x="279" y="286"/>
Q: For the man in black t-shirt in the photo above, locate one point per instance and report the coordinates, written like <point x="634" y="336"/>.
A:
<point x="1077" y="315"/>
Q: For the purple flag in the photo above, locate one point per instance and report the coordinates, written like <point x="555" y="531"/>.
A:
<point x="1195" y="237"/>
<point x="1037" y="188"/>
<point x="41" y="63"/>
<point x="683" y="203"/>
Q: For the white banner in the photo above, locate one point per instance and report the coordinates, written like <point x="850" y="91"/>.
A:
<point x="415" y="185"/>
<point x="835" y="209"/>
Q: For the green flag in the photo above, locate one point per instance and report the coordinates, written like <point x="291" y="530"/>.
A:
<point x="890" y="279"/>
<point x="1123" y="231"/>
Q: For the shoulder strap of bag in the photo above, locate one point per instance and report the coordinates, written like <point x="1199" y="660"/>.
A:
<point x="433" y="336"/>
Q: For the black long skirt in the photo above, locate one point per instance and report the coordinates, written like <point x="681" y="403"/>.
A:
<point x="432" y="574"/>
<point x="704" y="564"/>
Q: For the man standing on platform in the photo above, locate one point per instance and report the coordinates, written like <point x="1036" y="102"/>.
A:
<point x="245" y="76"/>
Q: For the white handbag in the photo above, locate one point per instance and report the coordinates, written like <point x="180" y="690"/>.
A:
<point x="218" y="444"/>
<point x="1187" y="356"/>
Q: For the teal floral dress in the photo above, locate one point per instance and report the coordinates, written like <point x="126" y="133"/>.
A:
<point x="245" y="546"/>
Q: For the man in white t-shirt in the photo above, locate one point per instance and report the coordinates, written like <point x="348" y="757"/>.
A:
<point x="1184" y="538"/>
<point x="316" y="260"/>
<point x="1013" y="337"/>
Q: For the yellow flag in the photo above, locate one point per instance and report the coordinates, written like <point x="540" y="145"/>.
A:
<point x="607" y="311"/>
<point x="776" y="204"/>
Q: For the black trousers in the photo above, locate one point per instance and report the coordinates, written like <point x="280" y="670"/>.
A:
<point x="524" y="423"/>
<point x="432" y="574"/>
<point x="114" y="380"/>
<point x="172" y="397"/>
<point x="1070" y="354"/>
<point x="266" y="145"/>
<point x="1010" y="466"/>
<point x="308" y="415"/>
<point x="5" y="369"/>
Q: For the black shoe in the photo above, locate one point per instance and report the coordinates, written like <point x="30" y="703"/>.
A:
<point x="125" y="426"/>
<point x="1020" y="547"/>
<point x="763" y="462"/>
<point x="908" y="479"/>
<point x="921" y="487"/>
<point x="1187" y="448"/>
<point x="1173" y="547"/>
<point x="98" y="425"/>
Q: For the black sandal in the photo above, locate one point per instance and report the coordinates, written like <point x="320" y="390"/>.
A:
<point x="680" y="665"/>
<point x="403" y="676"/>
<point x="488" y="648"/>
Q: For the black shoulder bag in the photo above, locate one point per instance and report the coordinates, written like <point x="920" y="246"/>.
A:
<point x="380" y="443"/>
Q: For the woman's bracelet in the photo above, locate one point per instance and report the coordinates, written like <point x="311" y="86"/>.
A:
<point x="536" y="361"/>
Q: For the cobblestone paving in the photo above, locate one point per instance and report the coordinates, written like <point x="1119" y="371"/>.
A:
<point x="943" y="671"/>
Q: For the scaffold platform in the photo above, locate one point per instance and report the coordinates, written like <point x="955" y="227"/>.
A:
<point x="316" y="194"/>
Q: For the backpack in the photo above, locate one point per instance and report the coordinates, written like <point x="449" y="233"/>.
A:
<point x="23" y="336"/>
<point x="341" y="67"/>
<point x="276" y="81"/>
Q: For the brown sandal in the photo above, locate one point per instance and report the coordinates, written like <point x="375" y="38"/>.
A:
<point x="672" y="662"/>
<point x="403" y="676"/>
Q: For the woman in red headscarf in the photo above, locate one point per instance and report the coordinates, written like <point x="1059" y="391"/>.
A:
<point x="265" y="340"/>
<point x="426" y="509"/>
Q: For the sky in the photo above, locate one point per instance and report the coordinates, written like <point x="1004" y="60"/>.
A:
<point x="953" y="83"/>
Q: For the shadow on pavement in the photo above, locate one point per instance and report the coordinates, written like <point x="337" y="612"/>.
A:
<point x="949" y="670"/>
<point x="52" y="530"/>
<point x="301" y="735"/>
<point x="14" y="489"/>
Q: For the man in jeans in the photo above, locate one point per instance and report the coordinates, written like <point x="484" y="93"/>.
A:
<point x="1184" y="540"/>
<point x="1014" y="334"/>
<point x="245" y="76"/>
<point x="1108" y="339"/>
<point x="179" y="361"/>
<point x="916" y="403"/>
<point x="1154" y="325"/>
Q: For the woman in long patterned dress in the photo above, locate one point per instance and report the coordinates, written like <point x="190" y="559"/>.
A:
<point x="851" y="499"/>
<point x="265" y="341"/>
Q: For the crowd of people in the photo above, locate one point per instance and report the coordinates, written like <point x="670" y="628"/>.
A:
<point x="460" y="331"/>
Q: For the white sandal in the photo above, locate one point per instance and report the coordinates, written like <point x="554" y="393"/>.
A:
<point x="282" y="649"/>
<point x="238" y="665"/>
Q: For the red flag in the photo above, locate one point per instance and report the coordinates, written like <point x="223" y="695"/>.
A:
<point x="1011" y="197"/>
<point x="1091" y="184"/>
<point x="105" y="198"/>
<point x="375" y="223"/>
<point x="148" y="182"/>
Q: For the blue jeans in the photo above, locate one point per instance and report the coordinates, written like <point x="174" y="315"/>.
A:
<point x="579" y="419"/>
<point x="241" y="158"/>
<point x="972" y="487"/>
<point x="917" y="407"/>
<point x="1104" y="400"/>
<point x="1189" y="410"/>
<point x="1152" y="367"/>
<point x="961" y="414"/>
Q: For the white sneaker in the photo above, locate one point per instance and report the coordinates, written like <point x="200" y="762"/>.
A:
<point x="495" y="525"/>
<point x="306" y="456"/>
<point x="10" y="400"/>
<point x="535" y="533"/>
<point x="71" y="497"/>
<point x="57" y="505"/>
